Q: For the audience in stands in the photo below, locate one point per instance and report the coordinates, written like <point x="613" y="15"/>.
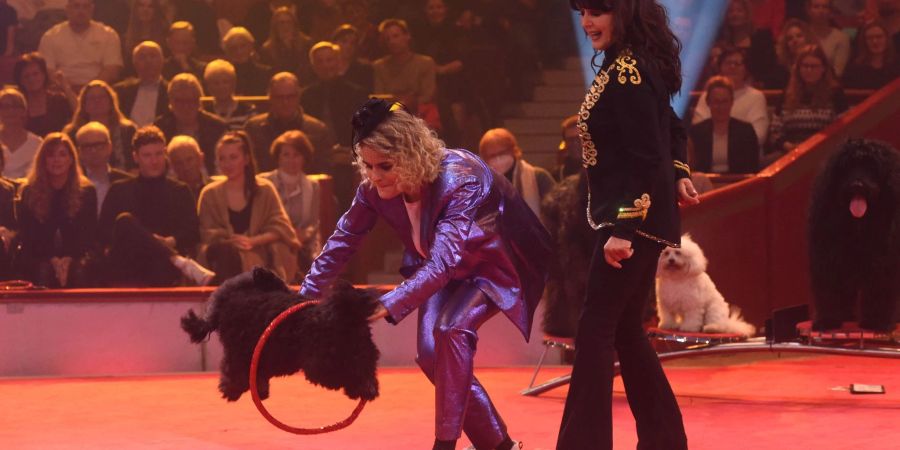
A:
<point x="568" y="156"/>
<point x="202" y="16"/>
<point x="186" y="161"/>
<point x="252" y="76"/>
<point x="182" y="43"/>
<point x="876" y="63"/>
<point x="501" y="151"/>
<point x="147" y="22"/>
<point x="144" y="97"/>
<point x="57" y="216"/>
<point x="242" y="221"/>
<point x="834" y="42"/>
<point x="285" y="113"/>
<point x="19" y="144"/>
<point x="98" y="102"/>
<point x="409" y="77"/>
<point x="8" y="226"/>
<point x="795" y="36"/>
<point x="722" y="143"/>
<point x="220" y="79"/>
<point x="321" y="17"/>
<point x="757" y="43"/>
<point x="94" y="149"/>
<point x="186" y="117"/>
<point x="812" y="101"/>
<point x="287" y="48"/>
<point x="162" y="205"/>
<point x="299" y="194"/>
<point x="81" y="48"/>
<point x="888" y="12"/>
<point x="353" y="68"/>
<point x="749" y="103"/>
<point x="358" y="16"/>
<point x="332" y="98"/>
<point x="48" y="109"/>
<point x="9" y="22"/>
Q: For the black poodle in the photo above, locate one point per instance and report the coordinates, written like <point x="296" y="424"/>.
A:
<point x="331" y="342"/>
<point x="854" y="237"/>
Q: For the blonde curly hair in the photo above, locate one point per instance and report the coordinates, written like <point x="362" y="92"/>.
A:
<point x="406" y="140"/>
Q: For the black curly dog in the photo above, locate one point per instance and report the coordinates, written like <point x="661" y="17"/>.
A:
<point x="331" y="342"/>
<point x="854" y="237"/>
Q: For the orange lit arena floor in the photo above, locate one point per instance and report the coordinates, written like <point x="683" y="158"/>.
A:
<point x="727" y="402"/>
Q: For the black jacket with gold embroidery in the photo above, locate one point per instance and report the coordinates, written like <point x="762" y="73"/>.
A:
<point x="634" y="148"/>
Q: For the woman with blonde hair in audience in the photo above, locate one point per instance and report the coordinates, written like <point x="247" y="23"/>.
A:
<point x="876" y="62"/>
<point x="795" y="35"/>
<point x="221" y="81"/>
<point x="299" y="194"/>
<point x="49" y="109"/>
<point x="98" y="102"/>
<point x="242" y="221"/>
<point x="19" y="144"/>
<point x="57" y="214"/>
<point x="812" y="101"/>
<point x="286" y="48"/>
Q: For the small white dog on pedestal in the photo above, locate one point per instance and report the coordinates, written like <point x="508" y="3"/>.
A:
<point x="687" y="298"/>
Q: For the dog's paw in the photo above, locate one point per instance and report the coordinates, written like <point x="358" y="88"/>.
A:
<point x="231" y="395"/>
<point x="667" y="326"/>
<point x="367" y="392"/>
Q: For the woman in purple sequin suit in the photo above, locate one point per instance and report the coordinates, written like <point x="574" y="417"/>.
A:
<point x="473" y="249"/>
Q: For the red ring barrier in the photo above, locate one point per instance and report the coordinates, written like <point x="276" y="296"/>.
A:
<point x="254" y="363"/>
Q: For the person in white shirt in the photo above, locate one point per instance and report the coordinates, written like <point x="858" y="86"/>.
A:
<point x="144" y="97"/>
<point x="94" y="148"/>
<point x="19" y="144"/>
<point x="749" y="103"/>
<point x="835" y="43"/>
<point x="82" y="49"/>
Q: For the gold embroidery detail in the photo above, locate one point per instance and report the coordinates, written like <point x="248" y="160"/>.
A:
<point x="683" y="166"/>
<point x="641" y="205"/>
<point x="588" y="148"/>
<point x="626" y="64"/>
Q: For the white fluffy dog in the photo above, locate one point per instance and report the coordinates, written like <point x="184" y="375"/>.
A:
<point x="687" y="299"/>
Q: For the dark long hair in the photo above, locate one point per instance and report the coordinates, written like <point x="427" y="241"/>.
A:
<point x="643" y="27"/>
<point x="240" y="137"/>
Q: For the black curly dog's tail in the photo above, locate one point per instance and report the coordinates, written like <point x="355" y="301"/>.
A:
<point x="198" y="328"/>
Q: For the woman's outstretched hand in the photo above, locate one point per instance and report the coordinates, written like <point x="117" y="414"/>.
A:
<point x="686" y="192"/>
<point x="380" y="313"/>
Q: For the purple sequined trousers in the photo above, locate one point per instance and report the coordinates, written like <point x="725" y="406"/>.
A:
<point x="447" y="339"/>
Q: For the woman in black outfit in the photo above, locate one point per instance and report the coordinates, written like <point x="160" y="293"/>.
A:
<point x="633" y="149"/>
<point x="57" y="215"/>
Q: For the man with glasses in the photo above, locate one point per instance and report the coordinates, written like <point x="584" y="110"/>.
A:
<point x="94" y="149"/>
<point x="285" y="113"/>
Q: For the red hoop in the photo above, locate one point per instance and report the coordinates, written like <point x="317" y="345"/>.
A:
<point x="258" y="402"/>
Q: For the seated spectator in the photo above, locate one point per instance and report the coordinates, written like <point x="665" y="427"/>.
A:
<point x="221" y="82"/>
<point x="835" y="43"/>
<point x="812" y="101"/>
<point x="721" y="143"/>
<point x="758" y="44"/>
<point x="147" y="22"/>
<point x="98" y="102"/>
<point x="57" y="215"/>
<point x="8" y="226"/>
<point x="9" y="21"/>
<point x="299" y="194"/>
<point x="242" y="222"/>
<point x="19" y="144"/>
<point x="499" y="149"/>
<point x="94" y="148"/>
<point x="409" y="77"/>
<point x="143" y="98"/>
<point x="358" y="15"/>
<point x="182" y="45"/>
<point x="82" y="49"/>
<point x="351" y="67"/>
<point x="203" y="17"/>
<point x="285" y="113"/>
<point x="252" y="76"/>
<point x="876" y="62"/>
<point x="749" y="103"/>
<point x="332" y="98"/>
<point x="795" y="36"/>
<point x="321" y="17"/>
<point x="287" y="48"/>
<point x="165" y="207"/>
<point x="569" y="154"/>
<point x="48" y="109"/>
<point x="186" y="162"/>
<point x="185" y="117"/>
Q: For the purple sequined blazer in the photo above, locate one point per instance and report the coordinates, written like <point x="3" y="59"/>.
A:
<point x="474" y="227"/>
